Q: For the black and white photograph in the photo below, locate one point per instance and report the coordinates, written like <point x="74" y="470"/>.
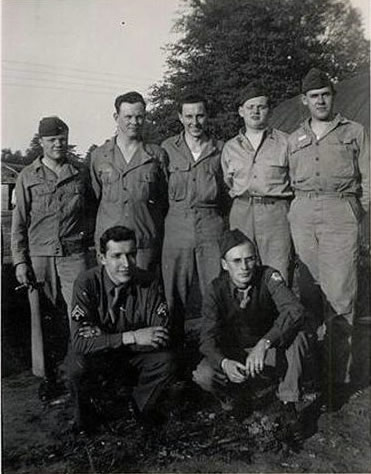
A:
<point x="185" y="236"/>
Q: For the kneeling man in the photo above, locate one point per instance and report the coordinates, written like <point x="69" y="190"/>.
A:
<point x="250" y="320"/>
<point x="119" y="323"/>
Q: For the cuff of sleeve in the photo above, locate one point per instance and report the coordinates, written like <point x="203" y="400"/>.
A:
<point x="273" y="335"/>
<point x="128" y="338"/>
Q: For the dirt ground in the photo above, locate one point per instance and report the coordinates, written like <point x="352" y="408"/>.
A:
<point x="199" y="437"/>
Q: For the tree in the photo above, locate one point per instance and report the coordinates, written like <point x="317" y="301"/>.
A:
<point x="226" y="44"/>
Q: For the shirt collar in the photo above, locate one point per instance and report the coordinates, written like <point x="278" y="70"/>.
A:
<point x="110" y="286"/>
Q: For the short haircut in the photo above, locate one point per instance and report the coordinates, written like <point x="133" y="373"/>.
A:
<point x="191" y="99"/>
<point x="130" y="98"/>
<point x="118" y="233"/>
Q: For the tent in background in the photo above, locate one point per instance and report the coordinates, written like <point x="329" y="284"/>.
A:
<point x="352" y="100"/>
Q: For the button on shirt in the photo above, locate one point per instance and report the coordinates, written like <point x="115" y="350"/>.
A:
<point x="261" y="172"/>
<point x="50" y="208"/>
<point x="338" y="162"/>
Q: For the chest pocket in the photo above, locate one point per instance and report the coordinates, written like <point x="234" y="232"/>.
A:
<point x="300" y="160"/>
<point x="110" y="184"/>
<point x="207" y="185"/>
<point x="179" y="174"/>
<point x="340" y="153"/>
<point x="43" y="197"/>
<point x="145" y="189"/>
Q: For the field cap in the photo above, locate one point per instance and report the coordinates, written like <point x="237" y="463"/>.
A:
<point x="51" y="126"/>
<point x="254" y="89"/>
<point x="315" y="79"/>
<point x="232" y="238"/>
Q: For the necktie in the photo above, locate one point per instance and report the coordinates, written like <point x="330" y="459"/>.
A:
<point x="244" y="297"/>
<point x="115" y="302"/>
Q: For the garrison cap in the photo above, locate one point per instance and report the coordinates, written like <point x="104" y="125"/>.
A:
<point x="51" y="126"/>
<point x="315" y="79"/>
<point x="254" y="89"/>
<point x="232" y="238"/>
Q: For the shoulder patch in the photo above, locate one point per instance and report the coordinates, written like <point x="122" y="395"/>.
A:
<point x="276" y="276"/>
<point x="78" y="313"/>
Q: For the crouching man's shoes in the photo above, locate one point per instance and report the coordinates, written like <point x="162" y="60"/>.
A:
<point x="154" y="417"/>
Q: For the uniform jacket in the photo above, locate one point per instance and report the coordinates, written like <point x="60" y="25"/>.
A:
<point x="142" y="304"/>
<point x="273" y="313"/>
<point x="261" y="172"/>
<point x="336" y="163"/>
<point x="134" y="194"/>
<point x="197" y="197"/>
<point x="51" y="210"/>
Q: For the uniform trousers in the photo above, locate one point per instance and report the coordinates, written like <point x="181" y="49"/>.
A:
<point x="325" y="234"/>
<point x="50" y="302"/>
<point x="149" y="373"/>
<point x="287" y="363"/>
<point x="267" y="225"/>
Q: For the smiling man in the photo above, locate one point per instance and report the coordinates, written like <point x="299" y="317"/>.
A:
<point x="255" y="167"/>
<point x="52" y="226"/>
<point x="196" y="203"/>
<point x="251" y="320"/>
<point x="120" y="326"/>
<point x="129" y="181"/>
<point x="329" y="169"/>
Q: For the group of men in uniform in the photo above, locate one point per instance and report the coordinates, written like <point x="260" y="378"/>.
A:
<point x="161" y="217"/>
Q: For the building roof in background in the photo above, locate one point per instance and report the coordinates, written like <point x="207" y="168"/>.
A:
<point x="352" y="101"/>
<point x="9" y="173"/>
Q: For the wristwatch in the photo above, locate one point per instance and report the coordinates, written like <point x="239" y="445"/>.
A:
<point x="267" y="344"/>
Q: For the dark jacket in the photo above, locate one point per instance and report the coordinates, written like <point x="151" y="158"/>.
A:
<point x="273" y="313"/>
<point x="141" y="305"/>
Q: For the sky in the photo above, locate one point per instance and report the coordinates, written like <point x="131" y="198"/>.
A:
<point x="71" y="58"/>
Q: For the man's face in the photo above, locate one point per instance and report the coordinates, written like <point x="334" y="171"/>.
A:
<point x="255" y="112"/>
<point x="319" y="103"/>
<point x="130" y="119"/>
<point x="55" y="147"/>
<point x="119" y="260"/>
<point x="240" y="263"/>
<point x="194" y="119"/>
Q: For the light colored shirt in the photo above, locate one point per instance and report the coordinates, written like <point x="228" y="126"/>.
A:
<point x="261" y="172"/>
<point x="338" y="162"/>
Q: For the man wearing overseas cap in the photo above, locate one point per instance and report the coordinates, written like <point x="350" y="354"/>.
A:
<point x="255" y="169"/>
<point x="51" y="228"/>
<point x="250" y="321"/>
<point x="329" y="170"/>
<point x="129" y="180"/>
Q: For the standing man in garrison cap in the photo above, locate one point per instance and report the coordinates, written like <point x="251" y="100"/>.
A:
<point x="255" y="167"/>
<point x="129" y="180"/>
<point x="51" y="231"/>
<point x="329" y="169"/>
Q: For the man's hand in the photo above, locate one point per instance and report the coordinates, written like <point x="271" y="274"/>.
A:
<point x="255" y="360"/>
<point x="25" y="275"/>
<point x="155" y="337"/>
<point x="235" y="371"/>
<point x="89" y="331"/>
